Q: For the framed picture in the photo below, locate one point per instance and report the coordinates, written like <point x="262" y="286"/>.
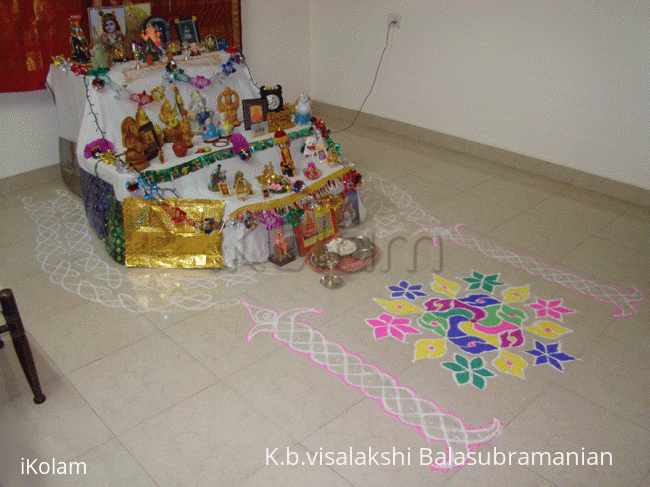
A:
<point x="187" y="30"/>
<point x="210" y="43"/>
<point x="136" y="14"/>
<point x="107" y="25"/>
<point x="317" y="223"/>
<point x="255" y="111"/>
<point x="225" y="189"/>
<point x="161" y="26"/>
<point x="259" y="129"/>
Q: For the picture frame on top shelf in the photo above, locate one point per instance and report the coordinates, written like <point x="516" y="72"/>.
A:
<point x="116" y="25"/>
<point x="318" y="223"/>
<point x="161" y="26"/>
<point x="187" y="30"/>
<point x="210" y="43"/>
<point x="255" y="111"/>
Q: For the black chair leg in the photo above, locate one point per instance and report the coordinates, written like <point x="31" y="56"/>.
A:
<point x="24" y="352"/>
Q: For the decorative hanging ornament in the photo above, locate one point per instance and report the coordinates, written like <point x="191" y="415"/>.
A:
<point x="99" y="84"/>
<point x="179" y="75"/>
<point x="293" y="217"/>
<point x="200" y="82"/>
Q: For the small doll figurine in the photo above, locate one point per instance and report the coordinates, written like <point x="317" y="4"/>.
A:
<point x="79" y="52"/>
<point x="225" y="127"/>
<point x="198" y="113"/>
<point x="303" y="110"/>
<point x="209" y="131"/>
<point x="309" y="147"/>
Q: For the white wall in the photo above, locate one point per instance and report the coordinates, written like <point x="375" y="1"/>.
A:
<point x="566" y="82"/>
<point x="28" y="132"/>
<point x="275" y="43"/>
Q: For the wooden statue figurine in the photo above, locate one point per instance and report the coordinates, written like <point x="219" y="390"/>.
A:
<point x="242" y="187"/>
<point x="134" y="144"/>
<point x="167" y="116"/>
<point x="228" y="103"/>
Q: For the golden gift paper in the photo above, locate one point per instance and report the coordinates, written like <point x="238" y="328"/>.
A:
<point x="154" y="239"/>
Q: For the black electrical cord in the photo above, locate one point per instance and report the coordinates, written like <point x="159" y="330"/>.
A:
<point x="373" y="83"/>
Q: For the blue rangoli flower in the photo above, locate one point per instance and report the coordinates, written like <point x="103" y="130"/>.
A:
<point x="550" y="354"/>
<point x="406" y="290"/>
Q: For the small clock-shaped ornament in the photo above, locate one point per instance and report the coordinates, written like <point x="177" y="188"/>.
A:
<point x="274" y="96"/>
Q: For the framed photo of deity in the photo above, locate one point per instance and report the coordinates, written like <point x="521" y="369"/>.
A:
<point x="187" y="30"/>
<point x="318" y="223"/>
<point x="255" y="111"/>
<point x="107" y="25"/>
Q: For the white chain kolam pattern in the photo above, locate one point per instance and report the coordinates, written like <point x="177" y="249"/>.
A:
<point x="432" y="422"/>
<point x="65" y="251"/>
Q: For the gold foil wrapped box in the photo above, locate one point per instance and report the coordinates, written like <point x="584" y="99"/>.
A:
<point x="172" y="234"/>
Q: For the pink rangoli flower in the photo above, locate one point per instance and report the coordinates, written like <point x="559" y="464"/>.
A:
<point x="390" y="325"/>
<point x="550" y="308"/>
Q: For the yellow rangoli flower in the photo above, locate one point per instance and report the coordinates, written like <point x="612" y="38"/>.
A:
<point x="444" y="286"/>
<point x="516" y="294"/>
<point x="401" y="307"/>
<point x="510" y="364"/>
<point x="547" y="329"/>
<point x="429" y="348"/>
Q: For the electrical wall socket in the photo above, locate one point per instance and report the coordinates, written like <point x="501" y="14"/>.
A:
<point x="395" y="20"/>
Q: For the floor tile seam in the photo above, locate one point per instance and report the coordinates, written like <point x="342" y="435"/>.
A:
<point x="579" y="218"/>
<point x="622" y="244"/>
<point x="636" y="344"/>
<point x="114" y="437"/>
<point x="601" y="240"/>
<point x="236" y="391"/>
<point x="609" y="409"/>
<point x="165" y="410"/>
<point x="159" y="332"/>
<point x="265" y="415"/>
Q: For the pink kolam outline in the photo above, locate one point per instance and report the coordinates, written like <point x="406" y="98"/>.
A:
<point x="621" y="312"/>
<point x="434" y="466"/>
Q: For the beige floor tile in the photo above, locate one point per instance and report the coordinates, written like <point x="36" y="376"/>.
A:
<point x="471" y="208"/>
<point x="646" y="482"/>
<point x="562" y="211"/>
<point x="213" y="438"/>
<point x="39" y="299"/>
<point x="571" y="423"/>
<point x="609" y="261"/>
<point x="300" y="467"/>
<point x="291" y="391"/>
<point x="614" y="375"/>
<point x="139" y="381"/>
<point x="628" y="231"/>
<point x="17" y="261"/>
<point x="365" y="429"/>
<point x="108" y="465"/>
<point x="63" y="427"/>
<point x="87" y="333"/>
<point x="538" y="237"/>
<point x="516" y="195"/>
<point x="158" y="371"/>
<point x="485" y="475"/>
<point x="13" y="382"/>
<point x="217" y="339"/>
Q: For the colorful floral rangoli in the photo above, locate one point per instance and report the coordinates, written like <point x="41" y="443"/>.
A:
<point x="481" y="327"/>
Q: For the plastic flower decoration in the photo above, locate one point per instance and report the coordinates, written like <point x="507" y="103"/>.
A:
<point x="97" y="147"/>
<point x="200" y="82"/>
<point x="387" y="325"/>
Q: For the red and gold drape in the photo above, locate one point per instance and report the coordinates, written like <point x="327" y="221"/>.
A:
<point x="31" y="32"/>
